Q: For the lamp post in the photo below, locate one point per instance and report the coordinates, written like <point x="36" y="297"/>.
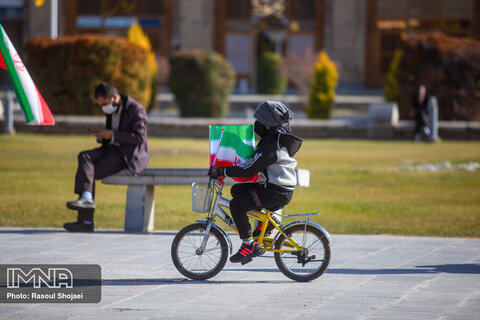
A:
<point x="8" y="96"/>
<point x="54" y="19"/>
<point x="278" y="37"/>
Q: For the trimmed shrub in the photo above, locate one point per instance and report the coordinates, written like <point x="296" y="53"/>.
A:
<point x="67" y="70"/>
<point x="269" y="77"/>
<point x="201" y="81"/>
<point x="322" y="89"/>
<point x="449" y="68"/>
<point x="390" y="91"/>
<point x="137" y="36"/>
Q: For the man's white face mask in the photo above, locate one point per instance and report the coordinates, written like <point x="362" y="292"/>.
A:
<point x="109" y="108"/>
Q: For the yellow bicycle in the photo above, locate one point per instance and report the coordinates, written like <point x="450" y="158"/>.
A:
<point x="200" y="250"/>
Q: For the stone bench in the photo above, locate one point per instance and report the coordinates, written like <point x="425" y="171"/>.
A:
<point x="381" y="118"/>
<point x="140" y="204"/>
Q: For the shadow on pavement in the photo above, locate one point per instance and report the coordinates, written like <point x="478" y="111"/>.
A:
<point x="468" y="268"/>
<point x="156" y="282"/>
<point x="443" y="268"/>
<point x="39" y="231"/>
<point x="31" y="231"/>
<point x="252" y="270"/>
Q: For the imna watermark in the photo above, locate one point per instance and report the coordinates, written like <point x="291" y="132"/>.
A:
<point x="29" y="283"/>
<point x="55" y="278"/>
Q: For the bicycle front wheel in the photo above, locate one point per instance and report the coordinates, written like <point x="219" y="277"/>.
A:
<point x="311" y="262"/>
<point x="196" y="264"/>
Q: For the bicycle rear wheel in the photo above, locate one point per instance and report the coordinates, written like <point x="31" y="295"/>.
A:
<point x="311" y="262"/>
<point x="192" y="263"/>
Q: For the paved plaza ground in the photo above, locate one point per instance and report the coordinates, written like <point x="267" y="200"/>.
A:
<point x="370" y="277"/>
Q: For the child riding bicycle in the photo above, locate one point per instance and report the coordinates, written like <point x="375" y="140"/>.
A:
<point x="273" y="161"/>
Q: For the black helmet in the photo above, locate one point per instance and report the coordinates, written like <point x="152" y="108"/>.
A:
<point x="273" y="114"/>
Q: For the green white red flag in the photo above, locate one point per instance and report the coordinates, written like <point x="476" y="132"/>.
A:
<point x="232" y="146"/>
<point x="31" y="101"/>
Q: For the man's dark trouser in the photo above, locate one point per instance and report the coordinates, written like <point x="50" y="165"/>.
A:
<point x="248" y="196"/>
<point x="93" y="165"/>
<point x="421" y="121"/>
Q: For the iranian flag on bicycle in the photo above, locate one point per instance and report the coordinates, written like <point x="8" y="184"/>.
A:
<point x="232" y="146"/>
<point x="31" y="101"/>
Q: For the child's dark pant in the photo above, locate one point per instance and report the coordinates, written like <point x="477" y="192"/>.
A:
<point x="248" y="196"/>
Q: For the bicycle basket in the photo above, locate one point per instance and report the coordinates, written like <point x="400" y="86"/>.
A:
<point x="201" y="198"/>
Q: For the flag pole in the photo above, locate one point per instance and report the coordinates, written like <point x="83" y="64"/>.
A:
<point x="219" y="144"/>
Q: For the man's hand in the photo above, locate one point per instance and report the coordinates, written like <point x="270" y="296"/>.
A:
<point x="216" y="171"/>
<point x="104" y="134"/>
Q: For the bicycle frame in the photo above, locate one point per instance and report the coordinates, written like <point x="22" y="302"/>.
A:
<point x="216" y="210"/>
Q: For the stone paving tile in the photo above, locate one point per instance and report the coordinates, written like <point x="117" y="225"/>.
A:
<point x="370" y="277"/>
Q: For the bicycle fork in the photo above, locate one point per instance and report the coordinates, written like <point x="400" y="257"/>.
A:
<point x="217" y="211"/>
<point x="201" y="249"/>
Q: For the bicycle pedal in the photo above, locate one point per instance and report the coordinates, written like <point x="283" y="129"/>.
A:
<point x="246" y="261"/>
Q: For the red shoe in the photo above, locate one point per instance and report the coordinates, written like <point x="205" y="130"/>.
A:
<point x="247" y="252"/>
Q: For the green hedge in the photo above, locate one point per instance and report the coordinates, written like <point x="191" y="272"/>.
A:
<point x="269" y="77"/>
<point x="67" y="70"/>
<point x="201" y="81"/>
<point x="449" y="68"/>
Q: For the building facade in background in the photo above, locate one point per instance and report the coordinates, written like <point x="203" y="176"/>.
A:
<point x="361" y="36"/>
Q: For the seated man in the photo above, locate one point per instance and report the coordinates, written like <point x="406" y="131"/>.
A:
<point x="273" y="160"/>
<point x="124" y="145"/>
<point x="420" y="102"/>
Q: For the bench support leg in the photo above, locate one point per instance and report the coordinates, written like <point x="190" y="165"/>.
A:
<point x="140" y="208"/>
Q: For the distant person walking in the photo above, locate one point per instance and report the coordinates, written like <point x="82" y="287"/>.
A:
<point x="124" y="145"/>
<point x="420" y="100"/>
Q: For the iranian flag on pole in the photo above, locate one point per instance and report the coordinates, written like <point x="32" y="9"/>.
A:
<point x="31" y="101"/>
<point x="231" y="146"/>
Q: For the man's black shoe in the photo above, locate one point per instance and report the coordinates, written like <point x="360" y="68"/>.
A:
<point x="247" y="252"/>
<point x="81" y="203"/>
<point x="78" y="226"/>
<point x="270" y="227"/>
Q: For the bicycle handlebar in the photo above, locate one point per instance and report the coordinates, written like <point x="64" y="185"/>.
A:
<point x="220" y="179"/>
